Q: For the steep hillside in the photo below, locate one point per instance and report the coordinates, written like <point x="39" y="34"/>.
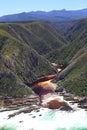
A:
<point x="77" y="32"/>
<point x="42" y="37"/>
<point x="74" y="76"/>
<point x="70" y="29"/>
<point x="25" y="46"/>
<point x="61" y="55"/>
<point x="61" y="26"/>
<point x="19" y="63"/>
<point x="73" y="55"/>
<point x="76" y="35"/>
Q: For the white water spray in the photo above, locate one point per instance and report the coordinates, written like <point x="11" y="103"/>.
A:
<point x="45" y="119"/>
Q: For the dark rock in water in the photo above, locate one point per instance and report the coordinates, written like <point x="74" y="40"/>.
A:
<point x="68" y="96"/>
<point x="40" y="115"/>
<point x="83" y="106"/>
<point x="38" y="111"/>
<point x="12" y="115"/>
<point x="59" y="89"/>
<point x="66" y="108"/>
<point x="20" y="121"/>
<point x="82" y="101"/>
<point x="33" y="116"/>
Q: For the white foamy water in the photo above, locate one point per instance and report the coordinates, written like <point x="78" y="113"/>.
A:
<point x="44" y="119"/>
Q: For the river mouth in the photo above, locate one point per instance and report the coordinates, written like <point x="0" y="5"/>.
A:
<point x="44" y="118"/>
<point x="30" y="115"/>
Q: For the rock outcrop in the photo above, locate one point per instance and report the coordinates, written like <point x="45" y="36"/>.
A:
<point x="53" y="101"/>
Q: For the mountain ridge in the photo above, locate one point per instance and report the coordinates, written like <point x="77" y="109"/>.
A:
<point x="46" y="16"/>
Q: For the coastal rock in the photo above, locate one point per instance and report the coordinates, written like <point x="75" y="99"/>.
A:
<point x="14" y="103"/>
<point x="68" y="96"/>
<point x="55" y="104"/>
<point x="53" y="101"/>
<point x="82" y="103"/>
<point x="59" y="89"/>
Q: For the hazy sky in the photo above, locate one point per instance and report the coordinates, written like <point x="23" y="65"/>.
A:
<point x="17" y="6"/>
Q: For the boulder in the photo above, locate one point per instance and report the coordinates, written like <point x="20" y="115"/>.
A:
<point x="59" y="89"/>
<point x="53" y="101"/>
<point x="82" y="101"/>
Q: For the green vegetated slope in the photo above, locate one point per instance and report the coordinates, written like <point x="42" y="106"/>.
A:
<point x="76" y="34"/>
<point x="19" y="62"/>
<point x="25" y="46"/>
<point x="69" y="29"/>
<point x="61" y="26"/>
<point x="41" y="36"/>
<point x="74" y="76"/>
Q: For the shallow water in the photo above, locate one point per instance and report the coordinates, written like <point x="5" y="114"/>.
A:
<point x="44" y="119"/>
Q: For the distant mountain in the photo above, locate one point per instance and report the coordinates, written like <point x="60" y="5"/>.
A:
<point x="55" y="15"/>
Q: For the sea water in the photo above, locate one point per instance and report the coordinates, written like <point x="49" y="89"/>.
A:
<point x="44" y="119"/>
